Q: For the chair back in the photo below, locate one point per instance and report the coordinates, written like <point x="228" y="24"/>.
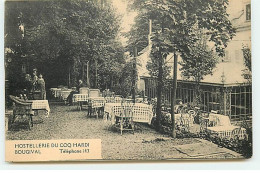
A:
<point x="21" y="107"/>
<point x="236" y="133"/>
<point x="128" y="112"/>
<point x="94" y="92"/>
<point x="215" y="121"/>
<point x="204" y="124"/>
<point x="185" y="120"/>
<point x="127" y="109"/>
<point x="84" y="90"/>
<point x="192" y="113"/>
<point x="110" y="99"/>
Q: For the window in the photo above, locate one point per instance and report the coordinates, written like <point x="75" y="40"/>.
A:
<point x="248" y="12"/>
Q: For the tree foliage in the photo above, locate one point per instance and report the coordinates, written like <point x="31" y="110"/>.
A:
<point x="247" y="73"/>
<point x="200" y="62"/>
<point x="174" y="22"/>
<point x="247" y="57"/>
<point x="61" y="36"/>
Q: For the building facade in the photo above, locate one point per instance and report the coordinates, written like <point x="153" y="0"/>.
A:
<point x="227" y="90"/>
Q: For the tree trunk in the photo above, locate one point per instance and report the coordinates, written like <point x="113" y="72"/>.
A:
<point x="159" y="93"/>
<point x="83" y="72"/>
<point x="197" y="94"/>
<point x="160" y="86"/>
<point x="69" y="78"/>
<point x="134" y="75"/>
<point x="87" y="82"/>
<point x="96" y="75"/>
<point x="174" y="88"/>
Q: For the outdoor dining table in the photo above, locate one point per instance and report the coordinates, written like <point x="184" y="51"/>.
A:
<point x="40" y="105"/>
<point x="226" y="131"/>
<point x="96" y="102"/>
<point x="64" y="94"/>
<point x="141" y="112"/>
<point x="55" y="92"/>
<point x="113" y="99"/>
<point x="179" y="118"/>
<point x="223" y="127"/>
<point x="80" y="97"/>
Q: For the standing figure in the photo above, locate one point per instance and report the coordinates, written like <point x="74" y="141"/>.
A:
<point x="28" y="85"/>
<point x="34" y="80"/>
<point x="41" y="87"/>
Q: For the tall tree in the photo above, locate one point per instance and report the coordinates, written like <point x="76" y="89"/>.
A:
<point x="202" y="63"/>
<point x="61" y="36"/>
<point x="173" y="30"/>
<point x="247" y="73"/>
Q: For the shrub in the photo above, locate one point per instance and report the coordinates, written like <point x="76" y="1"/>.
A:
<point x="166" y="127"/>
<point x="242" y="146"/>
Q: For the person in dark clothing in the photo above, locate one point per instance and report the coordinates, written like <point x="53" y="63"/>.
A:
<point x="79" y="85"/>
<point x="70" y="97"/>
<point x="35" y="79"/>
<point x="28" y="85"/>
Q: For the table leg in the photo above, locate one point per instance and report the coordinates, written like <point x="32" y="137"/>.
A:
<point x="89" y="111"/>
<point x="79" y="106"/>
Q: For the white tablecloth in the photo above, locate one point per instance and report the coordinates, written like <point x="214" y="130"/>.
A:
<point x="80" y="97"/>
<point x="221" y="120"/>
<point x="223" y="126"/>
<point x="55" y="92"/>
<point x="113" y="99"/>
<point x="97" y="102"/>
<point x="85" y="97"/>
<point x="41" y="105"/>
<point x="64" y="94"/>
<point x="180" y="117"/>
<point x="226" y="131"/>
<point x="141" y="112"/>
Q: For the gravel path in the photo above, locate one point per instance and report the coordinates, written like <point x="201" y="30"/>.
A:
<point x="65" y="122"/>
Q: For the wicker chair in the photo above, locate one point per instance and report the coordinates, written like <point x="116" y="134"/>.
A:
<point x="124" y="121"/>
<point x="22" y="108"/>
<point x="94" y="92"/>
<point x="204" y="122"/>
<point x="185" y="123"/>
<point x="236" y="133"/>
<point x="84" y="90"/>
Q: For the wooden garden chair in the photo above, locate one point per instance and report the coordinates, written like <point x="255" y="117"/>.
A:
<point x="204" y="122"/>
<point x="124" y="120"/>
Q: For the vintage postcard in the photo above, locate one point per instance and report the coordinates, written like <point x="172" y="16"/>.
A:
<point x="117" y="80"/>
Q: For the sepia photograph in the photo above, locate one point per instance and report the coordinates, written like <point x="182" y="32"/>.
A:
<point x="121" y="80"/>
